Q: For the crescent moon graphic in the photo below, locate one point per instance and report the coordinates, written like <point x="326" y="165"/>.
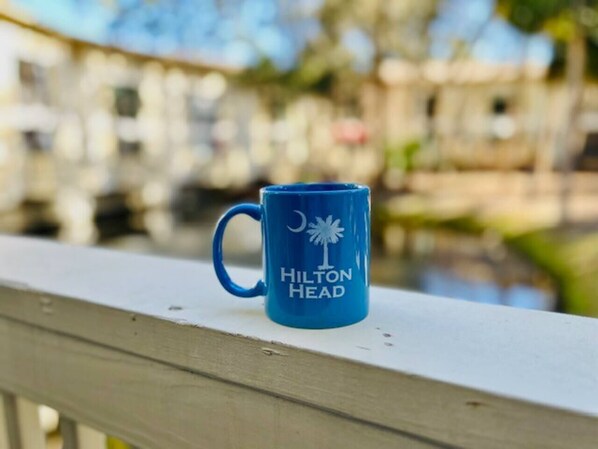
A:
<point x="303" y="222"/>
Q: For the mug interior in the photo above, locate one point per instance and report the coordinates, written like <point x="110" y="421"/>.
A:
<point x="324" y="187"/>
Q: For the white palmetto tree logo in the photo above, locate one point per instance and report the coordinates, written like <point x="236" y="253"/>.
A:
<point x="324" y="232"/>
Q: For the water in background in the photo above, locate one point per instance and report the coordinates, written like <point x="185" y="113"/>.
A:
<point x="473" y="268"/>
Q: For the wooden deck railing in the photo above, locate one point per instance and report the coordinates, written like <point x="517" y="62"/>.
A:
<point x="154" y="352"/>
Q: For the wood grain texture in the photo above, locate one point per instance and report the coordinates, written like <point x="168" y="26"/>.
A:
<point x="31" y="433"/>
<point x="80" y="436"/>
<point x="21" y="426"/>
<point x="90" y="438"/>
<point x="4" y="444"/>
<point x="463" y="374"/>
<point x="9" y="428"/>
<point x="156" y="406"/>
<point x="68" y="431"/>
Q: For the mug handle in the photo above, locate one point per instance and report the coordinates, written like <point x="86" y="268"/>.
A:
<point x="259" y="289"/>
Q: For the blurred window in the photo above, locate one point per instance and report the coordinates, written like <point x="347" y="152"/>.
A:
<point x="278" y="109"/>
<point x="588" y="159"/>
<point x="591" y="146"/>
<point x="500" y="106"/>
<point x="127" y="101"/>
<point x="202" y="116"/>
<point x="37" y="141"/>
<point x="201" y="109"/>
<point x="352" y="108"/>
<point x="128" y="148"/>
<point x="431" y="106"/>
<point x="34" y="82"/>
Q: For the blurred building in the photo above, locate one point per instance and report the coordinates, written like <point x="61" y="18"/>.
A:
<point x="103" y="120"/>
<point x="474" y="115"/>
<point x="82" y="123"/>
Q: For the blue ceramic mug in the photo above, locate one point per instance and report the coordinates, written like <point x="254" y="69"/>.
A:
<point x="316" y="253"/>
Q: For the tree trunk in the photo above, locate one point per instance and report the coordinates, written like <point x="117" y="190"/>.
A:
<point x="569" y="141"/>
<point x="325" y="265"/>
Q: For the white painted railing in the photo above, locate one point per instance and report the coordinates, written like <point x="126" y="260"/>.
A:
<point x="154" y="352"/>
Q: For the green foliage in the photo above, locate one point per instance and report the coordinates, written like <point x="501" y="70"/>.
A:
<point x="555" y="17"/>
<point x="403" y="156"/>
<point x="532" y="16"/>
<point x="559" y="19"/>
<point x="556" y="254"/>
<point x="314" y="76"/>
<point x="568" y="257"/>
<point x="394" y="28"/>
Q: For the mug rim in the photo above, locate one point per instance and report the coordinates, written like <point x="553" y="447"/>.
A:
<point x="314" y="188"/>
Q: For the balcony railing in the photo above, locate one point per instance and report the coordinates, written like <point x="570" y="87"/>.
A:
<point x="154" y="352"/>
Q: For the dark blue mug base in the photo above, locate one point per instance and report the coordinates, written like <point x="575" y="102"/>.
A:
<point x="315" y="323"/>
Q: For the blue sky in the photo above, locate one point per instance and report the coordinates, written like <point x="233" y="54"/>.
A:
<point x="496" y="39"/>
<point x="198" y="29"/>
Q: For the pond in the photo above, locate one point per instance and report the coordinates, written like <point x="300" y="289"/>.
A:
<point x="443" y="263"/>
<point x="461" y="266"/>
